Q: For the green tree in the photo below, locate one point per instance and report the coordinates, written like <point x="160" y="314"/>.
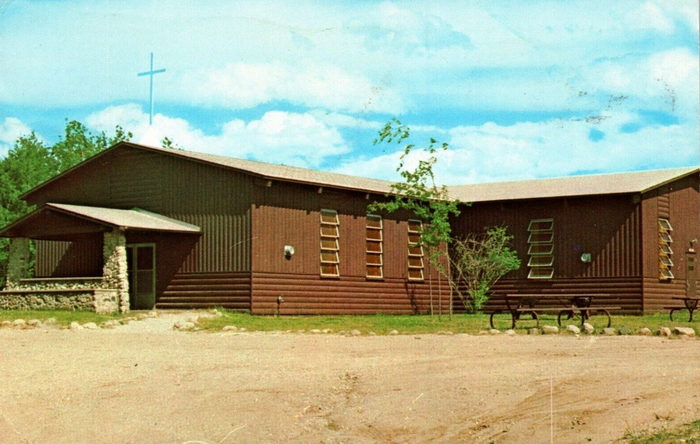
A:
<point x="26" y="165"/>
<point x="167" y="142"/>
<point x="78" y="143"/>
<point x="477" y="262"/>
<point x="31" y="162"/>
<point x="419" y="194"/>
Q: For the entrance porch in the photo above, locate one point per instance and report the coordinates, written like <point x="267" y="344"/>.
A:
<point x="128" y="278"/>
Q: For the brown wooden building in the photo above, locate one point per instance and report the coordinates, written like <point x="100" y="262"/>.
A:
<point x="632" y="236"/>
<point x="199" y="230"/>
<point x="241" y="235"/>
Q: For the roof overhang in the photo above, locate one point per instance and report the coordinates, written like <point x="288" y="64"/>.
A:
<point x="262" y="170"/>
<point x="55" y="221"/>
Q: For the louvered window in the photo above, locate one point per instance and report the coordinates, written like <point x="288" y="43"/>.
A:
<point x="665" y="251"/>
<point x="330" y="247"/>
<point x="415" y="251"/>
<point x="540" y="249"/>
<point x="374" y="247"/>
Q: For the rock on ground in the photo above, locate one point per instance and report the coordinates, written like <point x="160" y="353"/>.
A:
<point x="550" y="329"/>
<point x="573" y="329"/>
<point x="183" y="325"/>
<point x="684" y="331"/>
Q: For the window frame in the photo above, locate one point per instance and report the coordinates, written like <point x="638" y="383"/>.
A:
<point x="415" y="226"/>
<point x="665" y="252"/>
<point x="330" y="220"/>
<point x="371" y="226"/>
<point x="540" y="250"/>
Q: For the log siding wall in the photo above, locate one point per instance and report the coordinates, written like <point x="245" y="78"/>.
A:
<point x="287" y="214"/>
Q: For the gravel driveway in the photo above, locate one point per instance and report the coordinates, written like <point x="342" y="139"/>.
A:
<point x="148" y="383"/>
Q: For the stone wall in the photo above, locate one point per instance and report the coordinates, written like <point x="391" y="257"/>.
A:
<point x="106" y="294"/>
<point x="115" y="267"/>
<point x="60" y="283"/>
<point x="97" y="300"/>
<point x="100" y="301"/>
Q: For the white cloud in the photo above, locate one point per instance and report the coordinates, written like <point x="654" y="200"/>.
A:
<point x="387" y="57"/>
<point x="245" y="85"/>
<point x="340" y="120"/>
<point x="279" y="137"/>
<point x="10" y="130"/>
<point x="650" y="15"/>
<point x="492" y="152"/>
<point x="666" y="81"/>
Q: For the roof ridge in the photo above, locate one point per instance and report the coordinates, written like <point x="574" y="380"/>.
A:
<point x="689" y="168"/>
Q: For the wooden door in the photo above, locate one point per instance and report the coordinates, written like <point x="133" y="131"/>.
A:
<point x="141" y="263"/>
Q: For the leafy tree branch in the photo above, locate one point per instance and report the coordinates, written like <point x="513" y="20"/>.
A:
<point x="419" y="194"/>
<point x="478" y="261"/>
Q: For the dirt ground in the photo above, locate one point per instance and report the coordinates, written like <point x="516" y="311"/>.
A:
<point x="147" y="383"/>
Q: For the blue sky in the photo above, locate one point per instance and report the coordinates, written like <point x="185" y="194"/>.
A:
<point x="519" y="89"/>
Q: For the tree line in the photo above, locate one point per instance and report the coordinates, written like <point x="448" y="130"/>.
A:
<point x="32" y="161"/>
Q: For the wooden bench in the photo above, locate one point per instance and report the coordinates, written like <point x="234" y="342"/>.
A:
<point x="690" y="304"/>
<point x="526" y="304"/>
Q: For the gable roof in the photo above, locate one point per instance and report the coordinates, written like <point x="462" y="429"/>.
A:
<point x="135" y="219"/>
<point x="262" y="170"/>
<point x="86" y="219"/>
<point x="597" y="184"/>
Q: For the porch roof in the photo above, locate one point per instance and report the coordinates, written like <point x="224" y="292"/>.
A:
<point x="55" y="221"/>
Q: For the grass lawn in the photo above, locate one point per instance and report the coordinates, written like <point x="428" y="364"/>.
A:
<point x="379" y="324"/>
<point x="687" y="433"/>
<point x="413" y="324"/>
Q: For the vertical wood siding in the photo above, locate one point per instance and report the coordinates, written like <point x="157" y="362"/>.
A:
<point x="608" y="227"/>
<point x="286" y="214"/>
<point x="69" y="259"/>
<point x="215" y="199"/>
<point x="679" y="202"/>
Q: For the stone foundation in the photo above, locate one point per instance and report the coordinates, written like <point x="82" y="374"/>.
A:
<point x="98" y="300"/>
<point x="75" y="283"/>
<point x="106" y="294"/>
